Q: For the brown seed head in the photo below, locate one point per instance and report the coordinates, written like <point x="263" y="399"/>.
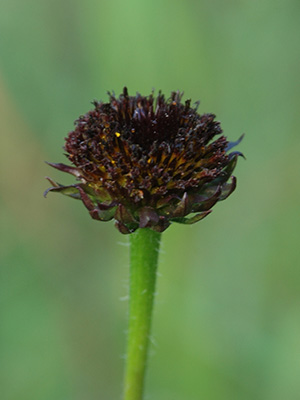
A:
<point x="147" y="162"/>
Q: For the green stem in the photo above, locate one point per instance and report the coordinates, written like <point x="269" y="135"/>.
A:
<point x="144" y="247"/>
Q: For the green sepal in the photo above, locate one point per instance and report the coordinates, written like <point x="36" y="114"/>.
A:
<point x="124" y="215"/>
<point x="230" y="145"/>
<point x="191" y="220"/>
<point x="70" y="191"/>
<point x="183" y="207"/>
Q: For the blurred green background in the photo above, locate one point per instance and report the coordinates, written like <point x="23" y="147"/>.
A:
<point x="227" y="314"/>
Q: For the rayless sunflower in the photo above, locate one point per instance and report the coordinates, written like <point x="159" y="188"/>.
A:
<point x="148" y="162"/>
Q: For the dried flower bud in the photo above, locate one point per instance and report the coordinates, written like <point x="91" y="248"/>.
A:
<point x="147" y="162"/>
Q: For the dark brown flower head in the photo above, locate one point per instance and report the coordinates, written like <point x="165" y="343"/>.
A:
<point x="147" y="162"/>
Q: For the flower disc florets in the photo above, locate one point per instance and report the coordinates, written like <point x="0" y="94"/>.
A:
<point x="147" y="162"/>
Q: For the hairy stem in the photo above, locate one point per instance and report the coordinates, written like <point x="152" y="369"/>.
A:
<point x="144" y="247"/>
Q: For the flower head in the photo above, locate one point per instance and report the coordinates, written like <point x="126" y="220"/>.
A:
<point x="147" y="162"/>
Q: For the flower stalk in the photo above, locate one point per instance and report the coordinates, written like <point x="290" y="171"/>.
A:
<point x="144" y="248"/>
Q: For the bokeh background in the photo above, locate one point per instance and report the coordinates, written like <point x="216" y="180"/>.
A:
<point x="227" y="314"/>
